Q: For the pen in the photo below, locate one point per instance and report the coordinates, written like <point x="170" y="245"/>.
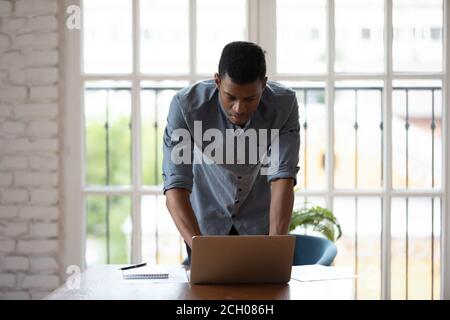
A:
<point x="134" y="266"/>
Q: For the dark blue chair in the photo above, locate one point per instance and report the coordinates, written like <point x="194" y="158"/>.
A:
<point x="313" y="250"/>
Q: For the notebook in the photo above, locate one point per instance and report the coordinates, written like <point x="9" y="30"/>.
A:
<point x="152" y="272"/>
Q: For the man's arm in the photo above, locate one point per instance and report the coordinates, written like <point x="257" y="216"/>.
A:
<point x="283" y="179"/>
<point x="177" y="201"/>
<point x="281" y="203"/>
<point x="178" y="177"/>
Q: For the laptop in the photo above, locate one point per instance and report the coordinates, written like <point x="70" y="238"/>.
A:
<point x="241" y="259"/>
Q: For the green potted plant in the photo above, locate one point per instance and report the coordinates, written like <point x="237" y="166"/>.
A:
<point x="318" y="219"/>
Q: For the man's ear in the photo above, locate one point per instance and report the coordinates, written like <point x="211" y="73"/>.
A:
<point x="217" y="80"/>
<point x="264" y="83"/>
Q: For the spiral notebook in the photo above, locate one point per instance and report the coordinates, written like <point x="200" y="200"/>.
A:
<point x="146" y="273"/>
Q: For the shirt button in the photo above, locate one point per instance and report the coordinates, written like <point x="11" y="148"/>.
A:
<point x="236" y="201"/>
<point x="233" y="216"/>
<point x="240" y="190"/>
<point x="239" y="177"/>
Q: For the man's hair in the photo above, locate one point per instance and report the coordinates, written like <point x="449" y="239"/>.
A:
<point x="243" y="62"/>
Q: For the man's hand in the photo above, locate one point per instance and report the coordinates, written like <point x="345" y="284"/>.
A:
<point x="177" y="201"/>
<point x="281" y="203"/>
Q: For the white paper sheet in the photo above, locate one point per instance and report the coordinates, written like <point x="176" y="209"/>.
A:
<point x="319" y="272"/>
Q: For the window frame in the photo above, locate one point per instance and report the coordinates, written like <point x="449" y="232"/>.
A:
<point x="261" y="28"/>
<point x="74" y="190"/>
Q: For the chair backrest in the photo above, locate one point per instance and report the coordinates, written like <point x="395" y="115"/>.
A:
<point x="313" y="250"/>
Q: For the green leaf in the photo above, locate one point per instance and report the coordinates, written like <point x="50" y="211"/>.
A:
<point x="318" y="219"/>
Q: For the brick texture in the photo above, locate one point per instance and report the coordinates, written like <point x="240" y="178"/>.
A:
<point x="29" y="148"/>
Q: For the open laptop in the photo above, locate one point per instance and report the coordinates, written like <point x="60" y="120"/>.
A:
<point x="241" y="259"/>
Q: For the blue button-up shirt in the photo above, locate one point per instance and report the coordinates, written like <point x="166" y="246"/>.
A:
<point x="226" y="194"/>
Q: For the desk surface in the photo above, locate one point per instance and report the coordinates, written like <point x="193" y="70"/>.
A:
<point x="103" y="282"/>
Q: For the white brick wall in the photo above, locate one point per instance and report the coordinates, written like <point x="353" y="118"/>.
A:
<point x="42" y="128"/>
<point x="12" y="128"/>
<point x="5" y="110"/>
<point x="5" y="7"/>
<point x="16" y="196"/>
<point x="49" y="162"/>
<point x="38" y="213"/>
<point x="44" y="264"/>
<point x="38" y="41"/>
<point x="41" y="58"/>
<point x="13" y="24"/>
<point x="7" y="246"/>
<point x="16" y="59"/>
<point x="36" y="111"/>
<point x="29" y="148"/>
<point x="37" y="246"/>
<point x="3" y="75"/>
<point x="7" y="280"/>
<point x="27" y="145"/>
<point x="13" y="94"/>
<point x="12" y="229"/>
<point x="12" y="162"/>
<point x="44" y="230"/>
<point x="15" y="295"/>
<point x="36" y="7"/>
<point x="42" y="24"/>
<point x="40" y="282"/>
<point x="39" y="294"/>
<point x="44" y="93"/>
<point x="35" y="179"/>
<point x="8" y="212"/>
<point x="34" y="76"/>
<point x="14" y="263"/>
<point x="5" y="42"/>
<point x="5" y="179"/>
<point x="44" y="196"/>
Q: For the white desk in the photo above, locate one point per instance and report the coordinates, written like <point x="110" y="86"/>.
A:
<point x="103" y="282"/>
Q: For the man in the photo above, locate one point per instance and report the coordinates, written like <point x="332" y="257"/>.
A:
<point x="221" y="198"/>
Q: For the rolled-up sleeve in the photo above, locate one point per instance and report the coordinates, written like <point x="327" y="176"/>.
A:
<point x="289" y="147"/>
<point x="176" y="175"/>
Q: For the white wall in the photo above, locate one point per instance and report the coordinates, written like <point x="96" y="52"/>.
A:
<point x="29" y="148"/>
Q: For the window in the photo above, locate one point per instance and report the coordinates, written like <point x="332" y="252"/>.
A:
<point x="371" y="112"/>
<point x="369" y="118"/>
<point x="136" y="55"/>
<point x="412" y="51"/>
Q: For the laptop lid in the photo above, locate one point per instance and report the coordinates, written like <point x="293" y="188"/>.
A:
<point x="241" y="259"/>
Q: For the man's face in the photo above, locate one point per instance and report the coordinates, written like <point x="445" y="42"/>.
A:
<point x="239" y="100"/>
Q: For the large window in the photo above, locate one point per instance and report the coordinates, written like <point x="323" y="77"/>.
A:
<point x="136" y="55"/>
<point x="369" y="77"/>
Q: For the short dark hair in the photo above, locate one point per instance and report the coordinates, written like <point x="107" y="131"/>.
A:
<point x="243" y="62"/>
